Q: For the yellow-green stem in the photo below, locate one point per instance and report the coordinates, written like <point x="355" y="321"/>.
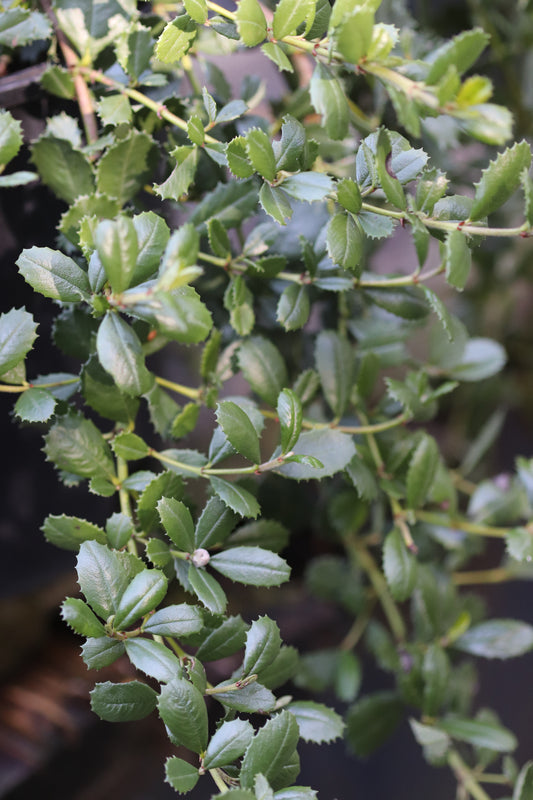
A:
<point x="465" y="776"/>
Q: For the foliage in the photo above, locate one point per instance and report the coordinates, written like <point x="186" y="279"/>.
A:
<point x="255" y="254"/>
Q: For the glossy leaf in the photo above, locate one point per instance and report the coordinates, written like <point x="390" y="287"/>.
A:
<point x="177" y="620"/>
<point x="333" y="451"/>
<point x="239" y="430"/>
<point x="76" y="445"/>
<point x="214" y="525"/>
<point x="153" y="658"/>
<point x="99" y="652"/>
<point x="224" y="640"/>
<point x="334" y="361"/>
<point x="252" y="698"/>
<point x="183" y="710"/>
<point x="69" y="532"/>
<point x="118" y="248"/>
<point x="207" y="589"/>
<point x="500" y="179"/>
<point x="399" y="566"/>
<point x="123" y="702"/>
<point x="177" y="522"/>
<point x="422" y="471"/>
<point x="290" y="415"/>
<point x="263" y="367"/>
<point x="289" y="15"/>
<point x="252" y="565"/>
<point x="181" y="775"/>
<point x="263" y="643"/>
<point x="329" y="100"/>
<point x="261" y="154"/>
<point x="317" y="722"/>
<point x="345" y="242"/>
<point x="197" y="10"/>
<point x="355" y="34"/>
<point x="479" y="734"/>
<point x="63" y="168"/>
<point x="457" y="259"/>
<point x="80" y="618"/>
<point x="53" y="274"/>
<point x="35" y="405"/>
<point x="498" y="638"/>
<point x="17" y="335"/>
<point x="101" y="576"/>
<point x="124" y="168"/>
<point x="275" y="202"/>
<point x="142" y="595"/>
<point x="272" y="752"/>
<point x="308" y="186"/>
<point x="228" y="743"/>
<point x="10" y="137"/>
<point x="524" y="784"/>
<point x="251" y="22"/>
<point x="120" y="354"/>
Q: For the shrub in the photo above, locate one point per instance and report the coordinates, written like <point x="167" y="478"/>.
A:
<point x="246" y="232"/>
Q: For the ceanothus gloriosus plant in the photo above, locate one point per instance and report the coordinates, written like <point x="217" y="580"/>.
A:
<point x="256" y="253"/>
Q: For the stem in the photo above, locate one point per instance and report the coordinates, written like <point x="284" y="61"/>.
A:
<point x="363" y="558"/>
<point x="480" y="576"/>
<point x="186" y="391"/>
<point x="465" y="777"/>
<point x="124" y="498"/>
<point x="358" y="628"/>
<point x="23" y="387"/>
<point x="205" y="472"/>
<point x="376" y="427"/>
<point x="221" y="786"/>
<point x="461" y="524"/>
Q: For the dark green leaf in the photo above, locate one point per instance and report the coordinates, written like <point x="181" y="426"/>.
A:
<point x="121" y="355"/>
<point x="101" y="576"/>
<point x="118" y="248"/>
<point x="371" y="721"/>
<point x="80" y="618"/>
<point x="272" y="753"/>
<point x="334" y="450"/>
<point x="230" y="203"/>
<point x="63" y="168"/>
<point x="181" y="775"/>
<point x="226" y="639"/>
<point x="251" y="698"/>
<point x="10" y="137"/>
<point x="308" y="186"/>
<point x="457" y="259"/>
<point x="317" y="722"/>
<point x="500" y="179"/>
<point x="261" y="154"/>
<point x="290" y="415"/>
<point x="178" y="620"/>
<point x="349" y="195"/>
<point x="334" y="360"/>
<point x="177" y="522"/>
<point x="178" y="314"/>
<point x="236" y="497"/>
<point x="422" y="471"/>
<point x="345" y="242"/>
<point x="207" y="589"/>
<point x="69" y="532"/>
<point x="101" y="393"/>
<point x="436" y="674"/>
<point x="399" y="566"/>
<point x="263" y="643"/>
<point x="152" y="237"/>
<point x="275" y="202"/>
<point x="252" y="565"/>
<point x="524" y="784"/>
<point x="215" y="524"/>
<point x="17" y="335"/>
<point x="183" y="710"/>
<point x="54" y="275"/>
<point x="142" y="595"/>
<point x="263" y="367"/>
<point x="119" y="530"/>
<point x="228" y="743"/>
<point x="100" y="652"/>
<point x="129" y="446"/>
<point x="35" y="405"/>
<point x="239" y="430"/>
<point x="479" y="734"/>
<point x="498" y="638"/>
<point x="123" y="702"/>
<point x="75" y="444"/>
<point x="124" y="168"/>
<point x="389" y="183"/>
<point x="153" y="658"/>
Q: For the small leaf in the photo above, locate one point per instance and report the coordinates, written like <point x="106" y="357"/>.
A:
<point x="63" y="168"/>
<point x="153" y="658"/>
<point x="371" y="721"/>
<point x="481" y="358"/>
<point x="389" y="183"/>
<point x="461" y="51"/>
<point x="129" y="446"/>
<point x="251" y="698"/>
<point x="288" y="16"/>
<point x="181" y="775"/>
<point x="207" y="589"/>
<point x="519" y="544"/>
<point x="436" y="674"/>
<point x="354" y="35"/>
<point x="100" y="652"/>
<point x="232" y="110"/>
<point x="75" y="444"/>
<point x="500" y="179"/>
<point x="329" y="99"/>
<point x="10" y="137"/>
<point x="35" y="405"/>
<point x="252" y="565"/>
<point x="290" y="415"/>
<point x="101" y="576"/>
<point x="263" y="367"/>
<point x="263" y="644"/>
<point x="277" y="56"/>
<point x="345" y="242"/>
<point x="497" y="638"/>
<point x="524" y="783"/>
<point x="17" y="334"/>
<point x="272" y="753"/>
<point x="457" y="259"/>
<point x="293" y="307"/>
<point x="317" y="722"/>
<point x="228" y="743"/>
<point x="197" y="10"/>
<point x="331" y="449"/>
<point x="224" y="640"/>
<point x="123" y="702"/>
<point x="119" y="530"/>
<point x="251" y="22"/>
<point x="54" y="275"/>
<point x="308" y="186"/>
<point x="479" y="734"/>
<point x="142" y="595"/>
<point x="118" y="248"/>
<point x="215" y="524"/>
<point x="349" y="195"/>
<point x="177" y="522"/>
<point x="335" y="362"/>
<point x="239" y="430"/>
<point x="178" y="620"/>
<point x="422" y="471"/>
<point x="261" y="154"/>
<point x="69" y="532"/>
<point x="399" y="566"/>
<point x="175" y="40"/>
<point x="275" y="202"/>
<point x="80" y="618"/>
<point x="121" y="355"/>
<point x="124" y="168"/>
<point x="183" y="710"/>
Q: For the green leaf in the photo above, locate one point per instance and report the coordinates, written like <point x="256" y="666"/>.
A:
<point x="142" y="595"/>
<point x="179" y="314"/>
<point x="349" y="195"/>
<point x="251" y="698"/>
<point x="183" y="710"/>
<point x="436" y="674"/>
<point x="63" y="168"/>
<point x="389" y="183"/>
<point x="153" y="658"/>
<point x="272" y="753"/>
<point x="215" y="524"/>
<point x="252" y="565"/>
<point x="197" y="10"/>
<point x="228" y="743"/>
<point x="479" y="734"/>
<point x="129" y="446"/>
<point x="177" y="522"/>
<point x="69" y="532"/>
<point x="175" y="40"/>
<point x="181" y="775"/>
<point x="308" y="186"/>
<point x="125" y="167"/>
<point x="236" y="497"/>
<point x="435" y="743"/>
<point x="232" y="110"/>
<point x="523" y="789"/>
<point x="239" y="430"/>
<point x="121" y="355"/>
<point x="371" y="721"/>
<point x="263" y="644"/>
<point x="17" y="335"/>
<point x="80" y="618"/>
<point x="277" y="56"/>
<point x="290" y="148"/>
<point x="334" y="360"/>
<point x="75" y="444"/>
<point x="54" y="275"/>
<point x="399" y="566"/>
<point x="317" y="722"/>
<point x="20" y="178"/>
<point x="230" y="203"/>
<point x="461" y="52"/>
<point x="237" y="156"/>
<point x="10" y="137"/>
<point x="289" y="15"/>
<point x="117" y="246"/>
<point x="226" y="639"/>
<point x="329" y="100"/>
<point x="497" y="638"/>
<point x="115" y="110"/>
<point x="290" y="415"/>
<point x="119" y="530"/>
<point x="457" y="259"/>
<point x="180" y="179"/>
<point x="35" y="405"/>
<point x="208" y="590"/>
<point x="519" y="544"/>
<point x="101" y="576"/>
<point x="354" y="34"/>
<point x="261" y="154"/>
<point x="152" y="237"/>
<point x="275" y="202"/>
<point x="251" y="22"/>
<point x="293" y="307"/>
<point x="345" y="242"/>
<point x="500" y="180"/>
<point x="177" y="620"/>
<point x="263" y="367"/>
<point x="422" y="471"/>
<point x="101" y="393"/>
<point x="332" y="449"/>
<point x="482" y="358"/>
<point x="101" y="652"/>
<point x="123" y="702"/>
<point x="296" y="792"/>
